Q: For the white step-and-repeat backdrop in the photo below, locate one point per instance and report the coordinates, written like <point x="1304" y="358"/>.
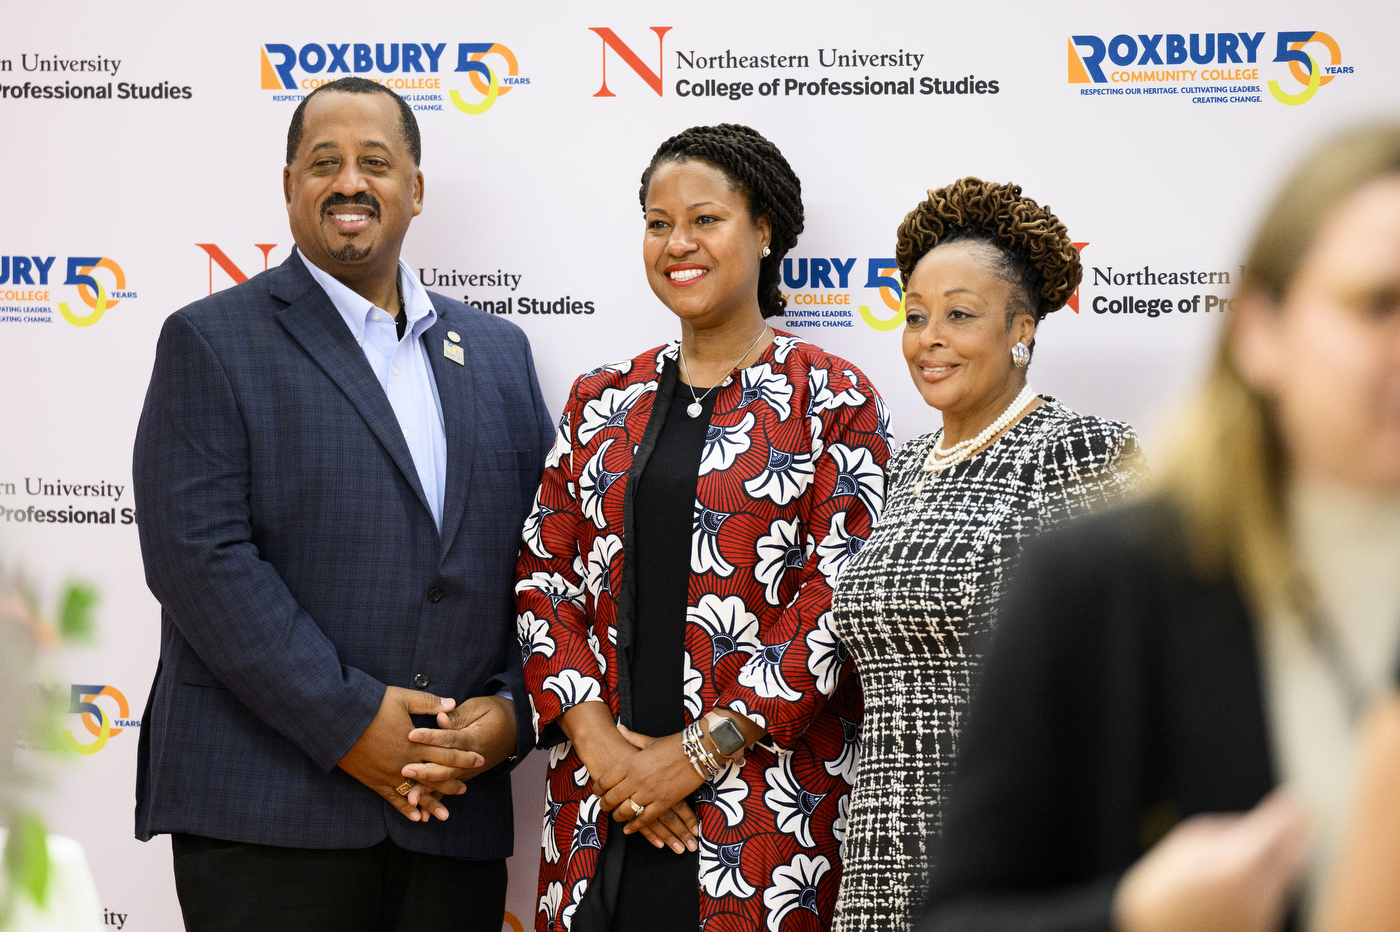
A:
<point x="143" y="146"/>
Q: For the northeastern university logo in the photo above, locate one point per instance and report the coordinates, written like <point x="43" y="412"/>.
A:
<point x="736" y="72"/>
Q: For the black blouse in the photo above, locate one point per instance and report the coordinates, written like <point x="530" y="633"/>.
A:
<point x="659" y="889"/>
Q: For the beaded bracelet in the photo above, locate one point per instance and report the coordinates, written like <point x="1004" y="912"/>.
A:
<point x="701" y="759"/>
<point x="688" y="745"/>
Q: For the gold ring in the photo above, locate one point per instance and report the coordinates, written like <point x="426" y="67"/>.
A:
<point x="404" y="787"/>
<point x="635" y="808"/>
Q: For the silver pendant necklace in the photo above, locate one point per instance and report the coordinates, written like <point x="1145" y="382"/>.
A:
<point x="694" y="408"/>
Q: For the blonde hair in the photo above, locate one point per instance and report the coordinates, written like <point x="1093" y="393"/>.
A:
<point x="1228" y="471"/>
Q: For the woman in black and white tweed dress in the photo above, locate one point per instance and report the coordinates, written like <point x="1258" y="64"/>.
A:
<point x="982" y="266"/>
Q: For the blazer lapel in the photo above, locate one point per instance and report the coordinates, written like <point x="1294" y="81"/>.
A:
<point x="314" y="322"/>
<point x="457" y="390"/>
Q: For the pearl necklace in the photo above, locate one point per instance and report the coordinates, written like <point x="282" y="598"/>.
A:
<point x="940" y="459"/>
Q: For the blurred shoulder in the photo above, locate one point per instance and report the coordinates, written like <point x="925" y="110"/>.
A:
<point x="1145" y="536"/>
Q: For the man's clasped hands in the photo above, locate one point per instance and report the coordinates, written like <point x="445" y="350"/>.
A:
<point x="430" y="763"/>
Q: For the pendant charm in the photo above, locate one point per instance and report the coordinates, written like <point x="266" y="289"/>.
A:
<point x="694" y="409"/>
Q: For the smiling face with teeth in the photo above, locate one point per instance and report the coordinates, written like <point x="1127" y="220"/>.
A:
<point x="352" y="190"/>
<point x="702" y="248"/>
<point x="957" y="341"/>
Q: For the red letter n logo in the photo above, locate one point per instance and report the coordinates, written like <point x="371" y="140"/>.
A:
<point x="1072" y="302"/>
<point x="610" y="40"/>
<point x="217" y="255"/>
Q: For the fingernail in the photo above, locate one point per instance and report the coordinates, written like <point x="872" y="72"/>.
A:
<point x="461" y="791"/>
<point x="658" y="844"/>
<point x="679" y="849"/>
<point x="413" y="815"/>
<point x="415" y="734"/>
<point x="442" y="814"/>
<point x="690" y="844"/>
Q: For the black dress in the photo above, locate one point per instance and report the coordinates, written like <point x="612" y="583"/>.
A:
<point x="658" y="889"/>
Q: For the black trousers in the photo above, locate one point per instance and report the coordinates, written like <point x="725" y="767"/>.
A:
<point x="228" y="886"/>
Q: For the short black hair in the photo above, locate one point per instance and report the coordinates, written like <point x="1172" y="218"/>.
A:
<point x="356" y="86"/>
<point x="757" y="168"/>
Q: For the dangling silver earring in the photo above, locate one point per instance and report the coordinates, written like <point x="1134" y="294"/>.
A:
<point x="766" y="252"/>
<point x="1020" y="356"/>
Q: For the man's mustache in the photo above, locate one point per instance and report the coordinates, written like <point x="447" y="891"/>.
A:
<point x="361" y="198"/>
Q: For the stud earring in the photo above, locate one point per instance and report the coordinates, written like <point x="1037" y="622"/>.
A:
<point x="1020" y="356"/>
<point x="766" y="252"/>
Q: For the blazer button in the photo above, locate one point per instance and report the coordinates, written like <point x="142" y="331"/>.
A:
<point x="435" y="594"/>
<point x="421" y="680"/>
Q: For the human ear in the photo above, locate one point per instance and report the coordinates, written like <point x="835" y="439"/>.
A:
<point x="1023" y="327"/>
<point x="765" y="230"/>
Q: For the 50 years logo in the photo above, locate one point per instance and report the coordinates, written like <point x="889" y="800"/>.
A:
<point x="103" y="727"/>
<point x="1296" y="55"/>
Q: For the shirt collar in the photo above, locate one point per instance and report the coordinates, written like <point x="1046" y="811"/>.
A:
<point x="354" y="309"/>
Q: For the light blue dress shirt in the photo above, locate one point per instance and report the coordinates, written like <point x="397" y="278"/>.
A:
<point x="403" y="371"/>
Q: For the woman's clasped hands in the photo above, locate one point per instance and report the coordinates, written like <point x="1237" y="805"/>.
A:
<point x="642" y="781"/>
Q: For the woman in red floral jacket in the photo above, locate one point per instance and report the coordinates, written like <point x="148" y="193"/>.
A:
<point x="675" y="585"/>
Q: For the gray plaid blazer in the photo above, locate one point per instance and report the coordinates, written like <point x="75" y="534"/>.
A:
<point x="299" y="571"/>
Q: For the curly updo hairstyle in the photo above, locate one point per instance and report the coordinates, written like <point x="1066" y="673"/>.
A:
<point x="756" y="167"/>
<point x="1034" y="248"/>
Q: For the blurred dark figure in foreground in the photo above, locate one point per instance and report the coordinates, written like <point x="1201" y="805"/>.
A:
<point x="1166" y="736"/>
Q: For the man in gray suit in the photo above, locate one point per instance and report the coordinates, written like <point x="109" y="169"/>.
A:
<point x="332" y="470"/>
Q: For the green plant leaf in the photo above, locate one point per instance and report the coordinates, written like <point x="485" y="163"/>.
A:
<point x="75" y="615"/>
<point x="27" y="856"/>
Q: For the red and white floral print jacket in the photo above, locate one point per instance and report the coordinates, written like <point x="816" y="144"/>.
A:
<point x="791" y="481"/>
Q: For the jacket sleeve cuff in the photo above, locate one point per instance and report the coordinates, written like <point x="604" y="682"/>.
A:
<point x="349" y="723"/>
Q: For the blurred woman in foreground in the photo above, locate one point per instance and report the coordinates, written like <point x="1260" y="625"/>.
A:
<point x="1182" y="658"/>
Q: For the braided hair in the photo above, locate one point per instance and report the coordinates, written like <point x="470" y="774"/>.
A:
<point x="1033" y="247"/>
<point x="756" y="167"/>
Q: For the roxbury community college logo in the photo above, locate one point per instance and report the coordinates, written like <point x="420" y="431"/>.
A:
<point x="27" y="288"/>
<point x="1207" y="68"/>
<point x="483" y="71"/>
